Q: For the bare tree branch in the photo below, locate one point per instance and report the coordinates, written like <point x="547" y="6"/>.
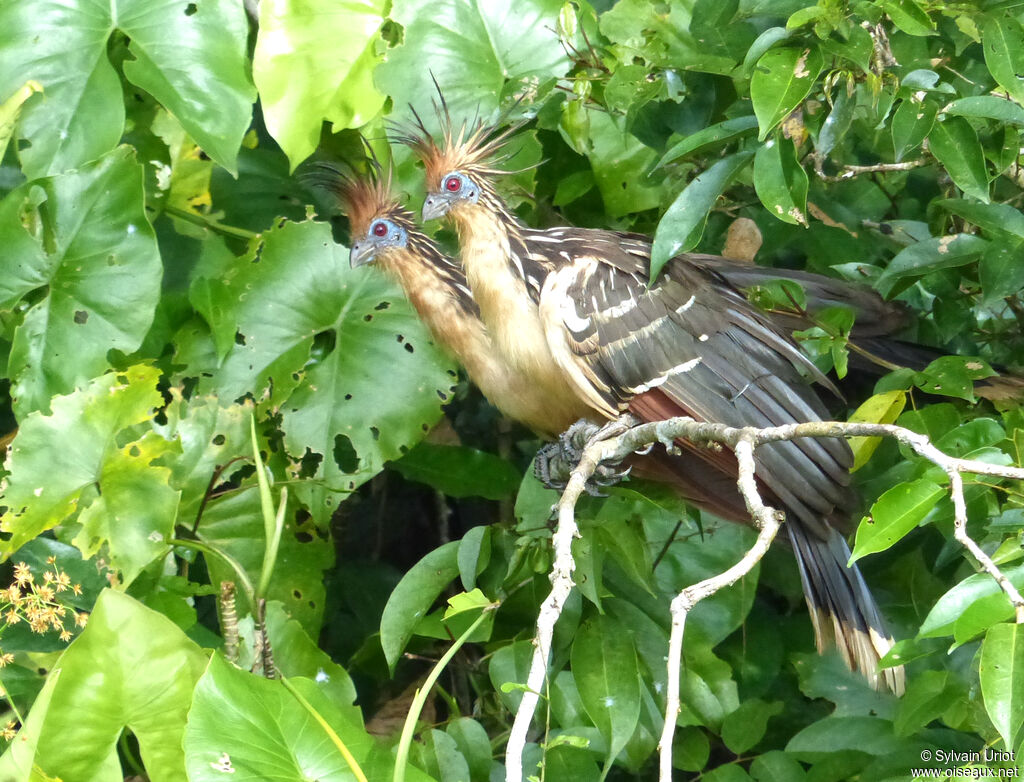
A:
<point x="617" y="442"/>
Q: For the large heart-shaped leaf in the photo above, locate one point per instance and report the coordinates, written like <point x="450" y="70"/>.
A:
<point x="56" y="461"/>
<point x="189" y="56"/>
<point x="79" y="249"/>
<point x="131" y="667"/>
<point x="472" y="48"/>
<point x="314" y="60"/>
<point x="373" y="382"/>
<point x="242" y="726"/>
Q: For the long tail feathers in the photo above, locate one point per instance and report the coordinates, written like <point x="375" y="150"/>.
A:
<point x="843" y="611"/>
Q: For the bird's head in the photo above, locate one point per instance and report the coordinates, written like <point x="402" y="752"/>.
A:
<point x="378" y="223"/>
<point x="460" y="168"/>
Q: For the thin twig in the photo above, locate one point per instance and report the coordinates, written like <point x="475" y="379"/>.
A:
<point x="848" y="172"/>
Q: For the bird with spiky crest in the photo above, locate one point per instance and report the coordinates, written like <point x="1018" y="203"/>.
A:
<point x="385" y="233"/>
<point x="575" y="308"/>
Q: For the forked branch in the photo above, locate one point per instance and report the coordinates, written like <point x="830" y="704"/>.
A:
<point x="616" y="444"/>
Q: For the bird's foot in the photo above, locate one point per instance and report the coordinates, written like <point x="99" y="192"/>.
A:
<point x="556" y="461"/>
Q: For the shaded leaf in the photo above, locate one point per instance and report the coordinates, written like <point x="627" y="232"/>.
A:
<point x="683" y="222"/>
<point x="955" y="144"/>
<point x="1001" y="671"/>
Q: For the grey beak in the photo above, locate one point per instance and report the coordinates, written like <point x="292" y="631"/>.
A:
<point x="435" y="207"/>
<point x="360" y="253"/>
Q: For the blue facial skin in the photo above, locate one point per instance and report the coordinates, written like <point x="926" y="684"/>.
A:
<point x="455" y="188"/>
<point x="383" y="233"/>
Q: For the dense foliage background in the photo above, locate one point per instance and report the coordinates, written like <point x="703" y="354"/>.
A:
<point x="163" y="284"/>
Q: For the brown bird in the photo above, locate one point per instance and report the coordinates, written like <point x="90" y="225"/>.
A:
<point x="385" y="232"/>
<point x="574" y="310"/>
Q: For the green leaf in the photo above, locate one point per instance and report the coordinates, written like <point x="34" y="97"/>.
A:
<point x="131" y="667"/>
<point x="233" y="524"/>
<point x="474" y="554"/>
<point x="943" y="617"/>
<point x="510" y="665"/>
<point x="781" y="80"/>
<point x="941" y="252"/>
<point x="894" y="514"/>
<point x="745" y="727"/>
<point x="1002" y="221"/>
<point x="776" y="766"/>
<point x="928" y="695"/>
<point x="1002" y="39"/>
<point x="1000" y="271"/>
<point x="987" y="107"/>
<point x="690" y="749"/>
<point x="193" y="64"/>
<point x="780" y="181"/>
<point x="314" y="61"/>
<point x="459" y="471"/>
<point x="765" y="41"/>
<point x="605" y="667"/>
<point x="296" y="654"/>
<point x="56" y="460"/>
<point x="11" y="108"/>
<point x="412" y="598"/>
<point x="620" y="162"/>
<point x="911" y="123"/>
<point x="682" y="224"/>
<point x="479" y="53"/>
<point x="872" y="735"/>
<point x="838" y="121"/>
<point x="909" y="17"/>
<point x="710" y="138"/>
<point x="953" y="376"/>
<point x="135" y="511"/>
<point x="79" y="248"/>
<point x="474" y="744"/>
<point x="320" y="337"/>
<point x="882" y="408"/>
<point x="955" y="145"/>
<point x="232" y="707"/>
<point x="1001" y="671"/>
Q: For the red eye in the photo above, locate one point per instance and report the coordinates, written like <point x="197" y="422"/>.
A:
<point x="452" y="184"/>
<point x="379" y="229"/>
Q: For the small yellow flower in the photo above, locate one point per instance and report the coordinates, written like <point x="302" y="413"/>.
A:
<point x="9" y="731"/>
<point x="51" y="560"/>
<point x="45" y="593"/>
<point x="81" y="619"/>
<point x="22" y="574"/>
<point x="12" y="617"/>
<point x="76" y="588"/>
<point x="65" y="634"/>
<point x="6" y="659"/>
<point x="63" y="581"/>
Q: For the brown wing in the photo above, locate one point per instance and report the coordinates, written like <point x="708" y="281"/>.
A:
<point x="692" y="345"/>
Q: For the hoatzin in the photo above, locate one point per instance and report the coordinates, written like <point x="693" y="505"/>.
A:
<point x="383" y="231"/>
<point x="573" y="310"/>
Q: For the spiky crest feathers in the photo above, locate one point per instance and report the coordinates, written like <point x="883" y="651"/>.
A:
<point x="474" y="147"/>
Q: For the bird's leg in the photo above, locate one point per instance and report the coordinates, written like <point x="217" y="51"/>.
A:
<point x="556" y="461"/>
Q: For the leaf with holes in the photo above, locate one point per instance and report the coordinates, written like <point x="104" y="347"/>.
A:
<point x="189" y="56"/>
<point x="57" y="461"/>
<point x="782" y="78"/>
<point x="338" y="351"/>
<point x="478" y="52"/>
<point x="314" y="61"/>
<point x="79" y="251"/>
